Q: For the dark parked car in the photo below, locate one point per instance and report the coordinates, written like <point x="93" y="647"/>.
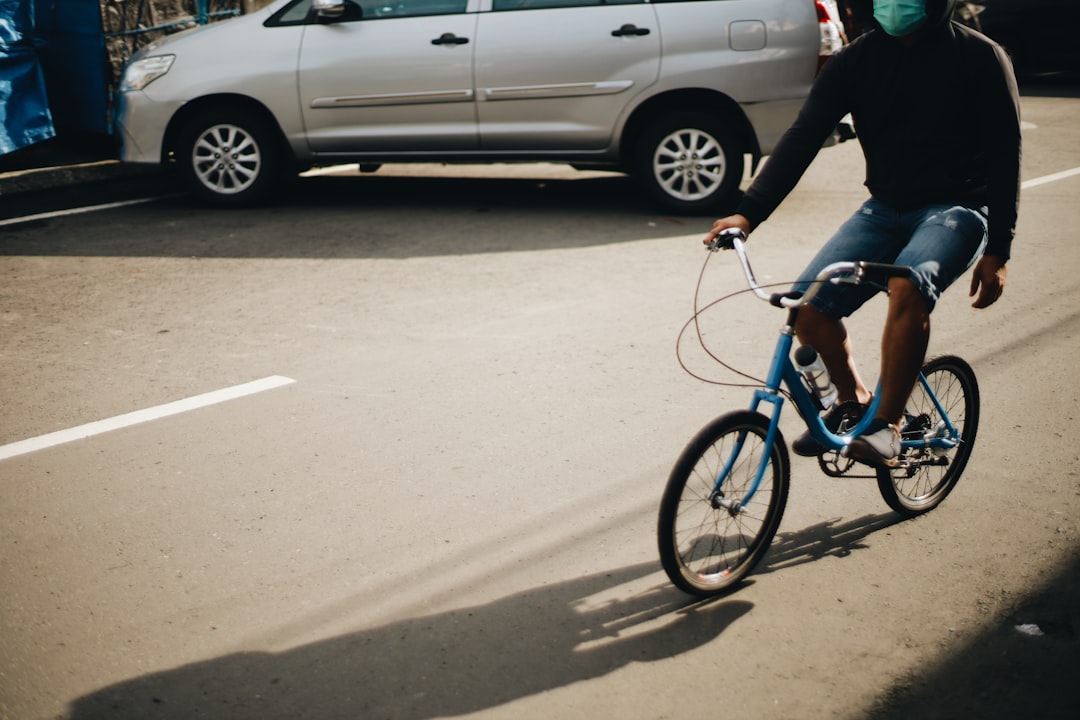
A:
<point x="1040" y="35"/>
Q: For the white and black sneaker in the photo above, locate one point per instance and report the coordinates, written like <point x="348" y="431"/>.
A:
<point x="878" y="446"/>
<point x="839" y="418"/>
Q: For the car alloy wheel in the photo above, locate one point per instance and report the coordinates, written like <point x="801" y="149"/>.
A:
<point x="226" y="159"/>
<point x="229" y="157"/>
<point x="688" y="163"/>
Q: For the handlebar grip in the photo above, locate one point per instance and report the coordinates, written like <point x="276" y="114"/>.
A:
<point x="777" y="299"/>
<point x="885" y="270"/>
<point x="725" y="239"/>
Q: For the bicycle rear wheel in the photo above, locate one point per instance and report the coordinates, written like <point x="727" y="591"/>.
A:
<point x="707" y="547"/>
<point x="925" y="476"/>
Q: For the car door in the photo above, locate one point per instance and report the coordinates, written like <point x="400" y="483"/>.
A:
<point x="559" y="73"/>
<point x="397" y="75"/>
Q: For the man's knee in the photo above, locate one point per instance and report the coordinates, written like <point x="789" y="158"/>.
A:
<point x="812" y="322"/>
<point x="905" y="295"/>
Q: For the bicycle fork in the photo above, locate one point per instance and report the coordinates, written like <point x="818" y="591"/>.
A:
<point x="734" y="506"/>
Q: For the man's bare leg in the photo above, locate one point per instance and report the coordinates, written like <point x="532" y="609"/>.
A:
<point x="903" y="348"/>
<point x="829" y="337"/>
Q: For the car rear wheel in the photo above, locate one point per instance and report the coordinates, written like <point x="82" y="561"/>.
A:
<point x="689" y="163"/>
<point x="229" y="157"/>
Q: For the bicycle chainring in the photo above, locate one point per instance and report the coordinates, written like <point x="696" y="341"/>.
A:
<point x="833" y="464"/>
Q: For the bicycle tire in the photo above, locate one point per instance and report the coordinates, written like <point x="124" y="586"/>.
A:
<point x="707" y="550"/>
<point x="923" y="485"/>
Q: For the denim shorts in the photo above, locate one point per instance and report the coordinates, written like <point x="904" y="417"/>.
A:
<point x="940" y="242"/>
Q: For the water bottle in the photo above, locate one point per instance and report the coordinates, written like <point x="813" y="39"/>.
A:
<point x="817" y="377"/>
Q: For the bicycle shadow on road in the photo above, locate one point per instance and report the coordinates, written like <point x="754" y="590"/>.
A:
<point x="449" y="663"/>
<point x="832" y="538"/>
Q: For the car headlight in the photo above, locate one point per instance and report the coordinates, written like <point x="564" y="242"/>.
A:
<point x="141" y="73"/>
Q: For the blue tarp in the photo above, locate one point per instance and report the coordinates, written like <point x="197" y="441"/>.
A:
<point x="24" y="107"/>
<point x="75" y="63"/>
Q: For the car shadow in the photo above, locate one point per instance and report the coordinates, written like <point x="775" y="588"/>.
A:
<point x="364" y="216"/>
<point x="445" y="664"/>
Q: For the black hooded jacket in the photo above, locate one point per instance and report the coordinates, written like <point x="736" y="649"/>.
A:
<point x="937" y="115"/>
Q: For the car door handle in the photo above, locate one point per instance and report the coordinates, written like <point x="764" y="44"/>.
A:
<point x="630" y="29"/>
<point x="449" y="39"/>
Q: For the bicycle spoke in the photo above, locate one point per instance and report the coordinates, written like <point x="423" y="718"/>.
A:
<point x="927" y="475"/>
<point x="708" y="546"/>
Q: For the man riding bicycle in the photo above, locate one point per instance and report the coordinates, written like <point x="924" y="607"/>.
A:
<point x="936" y="111"/>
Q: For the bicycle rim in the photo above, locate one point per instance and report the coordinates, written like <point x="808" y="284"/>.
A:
<point x="927" y="476"/>
<point x="707" y="550"/>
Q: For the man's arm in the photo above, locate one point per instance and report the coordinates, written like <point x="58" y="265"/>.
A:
<point x="824" y="107"/>
<point x="999" y="123"/>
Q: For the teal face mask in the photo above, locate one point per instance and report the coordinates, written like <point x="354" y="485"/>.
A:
<point x="899" y="17"/>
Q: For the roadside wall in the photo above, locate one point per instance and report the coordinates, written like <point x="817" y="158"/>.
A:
<point x="84" y="45"/>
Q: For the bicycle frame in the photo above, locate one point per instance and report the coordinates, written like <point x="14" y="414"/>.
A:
<point x="782" y="371"/>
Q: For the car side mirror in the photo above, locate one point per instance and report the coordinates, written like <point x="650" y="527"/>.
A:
<point x="329" y="10"/>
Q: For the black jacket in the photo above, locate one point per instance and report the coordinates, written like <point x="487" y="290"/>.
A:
<point x="938" y="119"/>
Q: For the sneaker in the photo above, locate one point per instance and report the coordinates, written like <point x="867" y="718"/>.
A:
<point x="839" y="417"/>
<point x="878" y="446"/>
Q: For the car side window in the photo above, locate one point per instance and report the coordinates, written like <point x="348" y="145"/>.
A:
<point x="300" y="12"/>
<point x="294" y="14"/>
<point x="410" y="8"/>
<point x="500" y="5"/>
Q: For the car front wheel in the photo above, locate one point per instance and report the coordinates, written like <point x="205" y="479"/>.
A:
<point x="229" y="158"/>
<point x="689" y="163"/>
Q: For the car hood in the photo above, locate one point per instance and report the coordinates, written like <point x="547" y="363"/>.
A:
<point x="168" y="43"/>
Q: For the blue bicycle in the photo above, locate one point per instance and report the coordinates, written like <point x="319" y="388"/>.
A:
<point x="726" y="494"/>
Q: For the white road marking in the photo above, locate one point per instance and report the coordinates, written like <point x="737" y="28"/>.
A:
<point x="1034" y="182"/>
<point x="141" y="416"/>
<point x="78" y="210"/>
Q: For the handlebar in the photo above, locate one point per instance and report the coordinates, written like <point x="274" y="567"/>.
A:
<point x="852" y="273"/>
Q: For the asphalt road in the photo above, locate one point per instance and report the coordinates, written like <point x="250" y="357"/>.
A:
<point x="450" y="509"/>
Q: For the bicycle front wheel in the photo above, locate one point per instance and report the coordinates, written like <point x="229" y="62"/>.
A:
<point x="926" y="476"/>
<point x="711" y="533"/>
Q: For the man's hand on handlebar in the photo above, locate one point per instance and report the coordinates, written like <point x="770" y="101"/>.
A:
<point x="732" y="221"/>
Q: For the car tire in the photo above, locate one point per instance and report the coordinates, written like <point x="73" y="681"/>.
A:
<point x="689" y="163"/>
<point x="229" y="157"/>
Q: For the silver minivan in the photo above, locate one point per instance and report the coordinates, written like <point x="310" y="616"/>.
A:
<point x="678" y="94"/>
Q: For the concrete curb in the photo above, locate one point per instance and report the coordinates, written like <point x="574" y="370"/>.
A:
<point x="49" y="178"/>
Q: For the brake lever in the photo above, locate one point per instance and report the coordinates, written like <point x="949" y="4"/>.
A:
<point x="725" y="239"/>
